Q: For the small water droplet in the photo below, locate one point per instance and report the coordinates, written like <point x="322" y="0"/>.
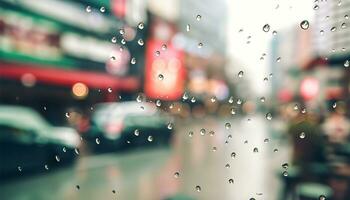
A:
<point x="268" y="116"/>
<point x="316" y="7"/>
<point x="67" y="114"/>
<point x="302" y="135"/>
<point x="103" y="9"/>
<point x="240" y="74"/>
<point x="133" y="61"/>
<point x="213" y="99"/>
<point x="113" y="191"/>
<point x="231" y="181"/>
<point x="266" y="140"/>
<point x="333" y="29"/>
<point x="334" y="105"/>
<point x="190" y="134"/>
<point x="214" y="149"/>
<point x="158" y="103"/>
<point x="114" y="39"/>
<point x="239" y="101"/>
<point x="262" y="99"/>
<point x="296" y="107"/>
<point x="176" y="174"/>
<point x="97" y="140"/>
<point x="227" y="166"/>
<point x="88" y="9"/>
<point x="198" y="188"/>
<point x="139" y="98"/>
<point x="150" y="138"/>
<point x="78" y="187"/>
<point x="46" y="167"/>
<point x="76" y="150"/>
<point x="141" y="25"/>
<point x="160" y="77"/>
<point x="19" y="168"/>
<point x="322" y="197"/>
<point x="230" y="100"/>
<point x="233" y="111"/>
<point x="198" y="17"/>
<point x="202" y="131"/>
<point x="233" y="154"/>
<point x="140" y="42"/>
<point x="266" y="28"/>
<point x="57" y="158"/>
<point x="200" y="45"/>
<point x="136" y="132"/>
<point x="170" y="126"/>
<point x="285" y="173"/>
<point x="303" y="111"/>
<point x="123" y="41"/>
<point x="121" y="31"/>
<point x="278" y="59"/>
<point x="343" y="25"/>
<point x="285" y="166"/>
<point x="265" y="79"/>
<point x="275" y="150"/>
<point x="255" y="150"/>
<point x="185" y="96"/>
<point x="193" y="99"/>
<point x="321" y="32"/>
<point x="109" y="90"/>
<point x="164" y="47"/>
<point x="346" y="16"/>
<point x="188" y="27"/>
<point x="211" y="133"/>
<point x="157" y="53"/>
<point x="346" y="63"/>
<point x="227" y="125"/>
<point x="304" y="24"/>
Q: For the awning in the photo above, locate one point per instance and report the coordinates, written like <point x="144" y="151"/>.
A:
<point x="67" y="78"/>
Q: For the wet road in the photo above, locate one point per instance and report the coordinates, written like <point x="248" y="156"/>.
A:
<point x="200" y="160"/>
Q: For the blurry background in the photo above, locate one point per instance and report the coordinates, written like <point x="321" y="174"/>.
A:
<point x="136" y="99"/>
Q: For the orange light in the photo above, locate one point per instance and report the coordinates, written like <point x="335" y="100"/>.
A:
<point x="80" y="90"/>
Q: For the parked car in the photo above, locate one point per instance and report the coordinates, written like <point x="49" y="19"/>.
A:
<point x="128" y="124"/>
<point x="29" y="142"/>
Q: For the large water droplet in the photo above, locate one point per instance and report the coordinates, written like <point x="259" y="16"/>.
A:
<point x="304" y="24"/>
<point x="266" y="28"/>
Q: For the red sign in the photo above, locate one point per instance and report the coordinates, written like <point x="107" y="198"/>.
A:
<point x="164" y="72"/>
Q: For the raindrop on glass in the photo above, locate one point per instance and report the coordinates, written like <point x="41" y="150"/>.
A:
<point x="214" y="149"/>
<point x="304" y="24"/>
<point x="19" y="168"/>
<point x="262" y="99"/>
<point x="285" y="165"/>
<point x="67" y="115"/>
<point x="157" y="53"/>
<point x="64" y="149"/>
<point x="150" y="138"/>
<point x="333" y="28"/>
<point x="202" y="131"/>
<point x="164" y="47"/>
<point x="230" y="100"/>
<point x="188" y="27"/>
<point x="275" y="150"/>
<point x="198" y="188"/>
<point x="322" y="197"/>
<point x="140" y="42"/>
<point x="88" y="9"/>
<point x="268" y="116"/>
<point x="233" y="111"/>
<point x="176" y="174"/>
<point x="200" y="45"/>
<point x="123" y="41"/>
<point x="97" y="140"/>
<point x="57" y="158"/>
<point x="278" y="59"/>
<point x="343" y="25"/>
<point x="231" y="181"/>
<point x="213" y="99"/>
<point x="121" y="31"/>
<point x="316" y="7"/>
<point x="266" y="140"/>
<point x="141" y="25"/>
<point x="302" y="135"/>
<point x="193" y="99"/>
<point x="185" y="96"/>
<point x="136" y="132"/>
<point x="160" y="77"/>
<point x="346" y="63"/>
<point x="139" y="98"/>
<point x="266" y="28"/>
<point x="285" y="173"/>
<point x="109" y="90"/>
<point x="227" y="165"/>
<point x="321" y="32"/>
<point x="170" y="126"/>
<point x="78" y="187"/>
<point x="211" y="133"/>
<point x="102" y="9"/>
<point x="198" y="17"/>
<point x="46" y="167"/>
<point x="239" y="101"/>
<point x="158" y="103"/>
<point x="76" y="150"/>
<point x="133" y="61"/>
<point x="334" y="105"/>
<point x="255" y="150"/>
<point x="190" y="134"/>
<point x="346" y="16"/>
<point x="240" y="74"/>
<point x="227" y="125"/>
<point x="233" y="154"/>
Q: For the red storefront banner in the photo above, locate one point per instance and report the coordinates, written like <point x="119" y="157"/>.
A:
<point x="164" y="71"/>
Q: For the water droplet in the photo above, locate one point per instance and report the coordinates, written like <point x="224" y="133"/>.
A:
<point x="285" y="173"/>
<point x="185" y="96"/>
<point x="158" y="103"/>
<point x="239" y="101"/>
<point x="19" y="168"/>
<point x="139" y="98"/>
<point x="133" y="61"/>
<point x="233" y="111"/>
<point x="275" y="150"/>
<point x="88" y="9"/>
<point x="255" y="150"/>
<point x="57" y="158"/>
<point x="285" y="165"/>
<point x="198" y="17"/>
<point x="339" y="3"/>
<point x="97" y="140"/>
<point x="346" y="63"/>
<point x="274" y="32"/>
<point x="333" y="28"/>
<point x="190" y="134"/>
<point x="141" y="25"/>
<point x="268" y="116"/>
<point x="198" y="188"/>
<point x="278" y="59"/>
<point x="67" y="114"/>
<point x="227" y="166"/>
<point x="211" y="133"/>
<point x="121" y="31"/>
<point x="265" y="79"/>
<point x="296" y="107"/>
<point x="266" y="140"/>
<point x="321" y="32"/>
<point x="343" y="25"/>
<point x="200" y="45"/>
<point x="302" y="135"/>
<point x="160" y="77"/>
<point x="233" y="154"/>
<point x="78" y="187"/>
<point x="188" y="27"/>
<point x="231" y="181"/>
<point x="46" y="167"/>
<point x="140" y="42"/>
<point x="316" y="7"/>
<point x="164" y="47"/>
<point x="113" y="191"/>
<point x="202" y="131"/>
<point x="334" y="105"/>
<point x="102" y="9"/>
<point x="227" y="125"/>
<point x="123" y="41"/>
<point x="240" y="74"/>
<point x="76" y="150"/>
<point x="157" y="53"/>
<point x="346" y="16"/>
<point x="150" y="138"/>
<point x="176" y="174"/>
<point x="322" y="197"/>
<point x="193" y="99"/>
<point x="230" y="100"/>
<point x="213" y="99"/>
<point x="266" y="28"/>
<point x="304" y="24"/>
<point x="170" y="126"/>
<point x="136" y="132"/>
<point x="303" y="111"/>
<point x="109" y="90"/>
<point x="262" y="99"/>
<point x="214" y="149"/>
